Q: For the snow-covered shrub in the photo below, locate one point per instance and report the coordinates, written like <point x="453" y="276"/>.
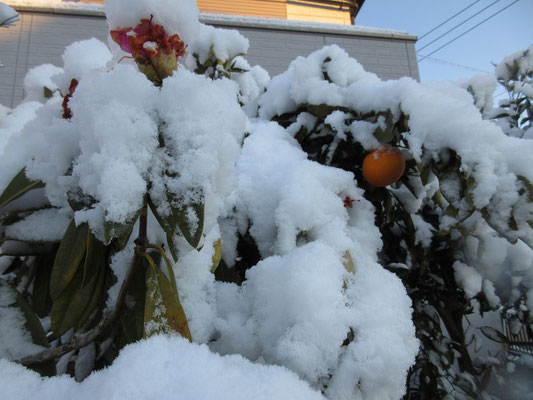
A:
<point x="515" y="114"/>
<point x="162" y="187"/>
<point x="457" y="227"/>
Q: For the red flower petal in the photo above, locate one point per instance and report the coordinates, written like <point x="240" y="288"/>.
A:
<point x="67" y="112"/>
<point x="122" y="38"/>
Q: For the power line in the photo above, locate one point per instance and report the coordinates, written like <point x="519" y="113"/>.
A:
<point x="438" y="60"/>
<point x="458" y="25"/>
<point x="471" y="29"/>
<point x="448" y="20"/>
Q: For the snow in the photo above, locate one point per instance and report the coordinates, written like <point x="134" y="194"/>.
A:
<point x="120" y="264"/>
<point x="59" y="4"/>
<point x="177" y="367"/>
<point x="39" y="77"/>
<point x="523" y="60"/>
<point x="295" y="312"/>
<point x="12" y="326"/>
<point x="117" y="139"/>
<point x="8" y="16"/>
<point x="44" y="225"/>
<point x="81" y="58"/>
<point x="274" y="23"/>
<point x="303" y="324"/>
<point x="482" y="87"/>
<point x="468" y="279"/>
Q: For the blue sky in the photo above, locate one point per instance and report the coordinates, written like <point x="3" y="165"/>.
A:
<point x="507" y="32"/>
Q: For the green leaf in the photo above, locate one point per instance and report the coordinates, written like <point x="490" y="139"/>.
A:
<point x="470" y="186"/>
<point x="438" y="198"/>
<point x="217" y="255"/>
<point x="321" y="110"/>
<point x="80" y="298"/>
<point x="172" y="248"/>
<point x="11" y="219"/>
<point x="528" y="185"/>
<point x="33" y="325"/>
<point x="190" y="220"/>
<point x="77" y="200"/>
<point x="132" y="316"/>
<point x="93" y="271"/>
<point x="238" y="70"/>
<point x="388" y="207"/>
<point x="65" y="314"/>
<point x="424" y="173"/>
<point x="163" y="312"/>
<point x="149" y="70"/>
<point x="408" y="220"/>
<point x="47" y="92"/>
<point x="403" y="123"/>
<point x="121" y="231"/>
<point x="486" y="377"/>
<point x="171" y="276"/>
<point x="165" y="64"/>
<point x="301" y="134"/>
<point x="40" y="298"/>
<point x="494" y="334"/>
<point x="512" y="223"/>
<point x="501" y="115"/>
<point x="451" y="212"/>
<point x="19" y="186"/>
<point x="162" y="255"/>
<point x="168" y="223"/>
<point x="385" y="135"/>
<point x="69" y="256"/>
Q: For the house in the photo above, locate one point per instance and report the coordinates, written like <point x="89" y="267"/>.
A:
<point x="278" y="32"/>
<point x="329" y="11"/>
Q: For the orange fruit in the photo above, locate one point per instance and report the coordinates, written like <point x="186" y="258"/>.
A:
<point x="384" y="166"/>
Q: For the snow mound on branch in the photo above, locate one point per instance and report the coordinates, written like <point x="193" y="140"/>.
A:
<point x="522" y="60"/>
<point x="299" y="306"/>
<point x="163" y="368"/>
<point x="442" y="116"/>
<point x="291" y="312"/>
<point x="285" y="195"/>
<point x="118" y="138"/>
<point x="37" y="79"/>
<point x="10" y="125"/>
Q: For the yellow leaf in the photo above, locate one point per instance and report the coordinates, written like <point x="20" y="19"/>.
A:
<point x="163" y="312"/>
<point x="217" y="256"/>
<point x="348" y="263"/>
